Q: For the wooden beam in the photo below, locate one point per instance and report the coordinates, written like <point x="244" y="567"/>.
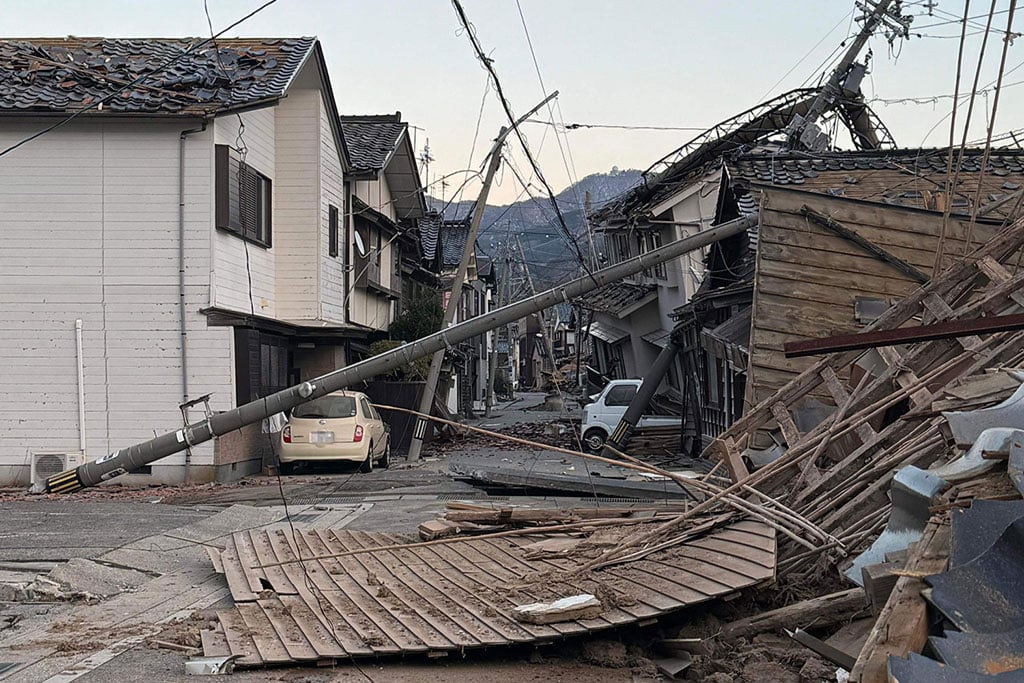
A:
<point x="867" y="245"/>
<point x="902" y="626"/>
<point x="904" y="335"/>
<point x="826" y="610"/>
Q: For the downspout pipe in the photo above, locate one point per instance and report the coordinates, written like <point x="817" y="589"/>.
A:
<point x="181" y="273"/>
<point x="127" y="459"/>
<point x="638" y="406"/>
<point x="79" y="349"/>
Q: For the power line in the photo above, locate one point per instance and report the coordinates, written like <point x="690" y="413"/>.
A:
<point x="136" y="81"/>
<point x="577" y="126"/>
<point x="570" y="173"/>
<point x="806" y="55"/>
<point x="489" y="66"/>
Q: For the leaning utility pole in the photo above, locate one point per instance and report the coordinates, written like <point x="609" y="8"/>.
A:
<point x="434" y="374"/>
<point x="802" y="132"/>
<point x="217" y="424"/>
<point x="548" y="346"/>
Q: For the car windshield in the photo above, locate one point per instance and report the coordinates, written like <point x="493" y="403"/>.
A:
<point x="327" y="407"/>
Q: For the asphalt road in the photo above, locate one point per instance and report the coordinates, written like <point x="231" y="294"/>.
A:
<point x="397" y="500"/>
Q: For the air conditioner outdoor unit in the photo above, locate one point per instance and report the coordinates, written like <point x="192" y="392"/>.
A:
<point x="45" y="464"/>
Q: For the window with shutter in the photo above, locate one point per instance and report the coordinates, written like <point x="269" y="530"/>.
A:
<point x="243" y="198"/>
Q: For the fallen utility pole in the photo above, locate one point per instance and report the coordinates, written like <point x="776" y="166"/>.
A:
<point x="904" y="335"/>
<point x="434" y="373"/>
<point x="638" y="406"/>
<point x="218" y="424"/>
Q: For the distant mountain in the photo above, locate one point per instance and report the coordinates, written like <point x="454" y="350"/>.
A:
<point x="551" y="258"/>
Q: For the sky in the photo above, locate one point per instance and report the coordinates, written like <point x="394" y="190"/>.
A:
<point x="680" y="64"/>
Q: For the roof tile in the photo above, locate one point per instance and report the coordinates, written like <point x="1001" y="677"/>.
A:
<point x="64" y="75"/>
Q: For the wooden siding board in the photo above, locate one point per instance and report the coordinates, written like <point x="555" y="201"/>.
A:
<point x="807" y="280"/>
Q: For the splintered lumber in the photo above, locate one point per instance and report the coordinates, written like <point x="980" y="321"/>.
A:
<point x="902" y="626"/>
<point x="583" y="606"/>
<point x="527" y="515"/>
<point x="879" y="581"/>
<point x="442" y="528"/>
<point x="827" y="610"/>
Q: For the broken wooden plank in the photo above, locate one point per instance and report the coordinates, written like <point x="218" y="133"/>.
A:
<point x="572" y="608"/>
<point x="527" y="515"/>
<point x="438" y="528"/>
<point x="879" y="580"/>
<point x="902" y="626"/>
<point x="826" y="610"/>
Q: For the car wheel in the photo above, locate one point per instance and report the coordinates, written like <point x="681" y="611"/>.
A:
<point x="593" y="440"/>
<point x="385" y="459"/>
<point x="367" y="465"/>
<point x="286" y="467"/>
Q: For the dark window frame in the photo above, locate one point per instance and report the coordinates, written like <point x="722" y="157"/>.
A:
<point x="243" y="197"/>
<point x="332" y="230"/>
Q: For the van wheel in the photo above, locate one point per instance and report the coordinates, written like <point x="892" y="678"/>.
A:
<point x="385" y="460"/>
<point x="367" y="465"/>
<point x="593" y="440"/>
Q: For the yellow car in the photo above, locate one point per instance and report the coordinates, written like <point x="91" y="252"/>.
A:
<point x="342" y="425"/>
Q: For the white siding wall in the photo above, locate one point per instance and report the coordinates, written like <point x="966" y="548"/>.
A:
<point x="89" y="216"/>
<point x="370" y="308"/>
<point x="686" y="273"/>
<point x="296" y="190"/>
<point x="332" y="192"/>
<point x="232" y="265"/>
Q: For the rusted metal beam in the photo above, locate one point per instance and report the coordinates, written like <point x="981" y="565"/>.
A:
<point x="904" y="335"/>
<point x="867" y="245"/>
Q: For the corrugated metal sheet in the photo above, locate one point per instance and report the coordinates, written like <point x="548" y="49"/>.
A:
<point x="451" y="597"/>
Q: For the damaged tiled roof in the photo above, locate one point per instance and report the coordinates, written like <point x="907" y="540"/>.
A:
<point x="913" y="178"/>
<point x="619" y="298"/>
<point x="65" y="75"/>
<point x="371" y="139"/>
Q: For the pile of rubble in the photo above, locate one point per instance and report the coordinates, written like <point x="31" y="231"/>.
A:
<point x="908" y="489"/>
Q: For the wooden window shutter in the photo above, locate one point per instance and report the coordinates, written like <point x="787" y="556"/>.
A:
<point x="227" y="189"/>
<point x="248" y="201"/>
<point x="332" y="230"/>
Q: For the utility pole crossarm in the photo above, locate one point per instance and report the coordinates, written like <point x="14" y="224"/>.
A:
<point x="801" y="132"/>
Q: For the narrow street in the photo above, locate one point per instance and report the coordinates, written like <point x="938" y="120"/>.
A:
<point x="140" y="538"/>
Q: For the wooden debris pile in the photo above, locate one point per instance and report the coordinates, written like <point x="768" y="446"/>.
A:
<point x="836" y="475"/>
<point x="466" y="518"/>
<point x="655" y="441"/>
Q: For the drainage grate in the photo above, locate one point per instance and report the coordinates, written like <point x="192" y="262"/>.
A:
<point x="649" y="501"/>
<point x="469" y="496"/>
